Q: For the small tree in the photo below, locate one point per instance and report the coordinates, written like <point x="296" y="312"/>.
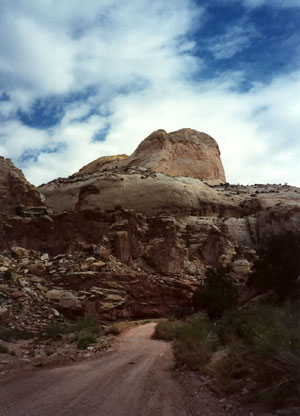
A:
<point x="217" y="294"/>
<point x="278" y="267"/>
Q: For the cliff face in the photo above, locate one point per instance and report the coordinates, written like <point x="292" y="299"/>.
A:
<point x="127" y="241"/>
<point x="16" y="193"/>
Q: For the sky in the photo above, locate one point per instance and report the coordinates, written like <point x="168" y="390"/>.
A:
<point x="84" y="79"/>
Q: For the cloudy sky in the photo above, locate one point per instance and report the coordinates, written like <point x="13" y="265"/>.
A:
<point x="83" y="79"/>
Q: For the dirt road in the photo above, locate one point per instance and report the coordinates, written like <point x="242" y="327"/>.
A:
<point x="133" y="381"/>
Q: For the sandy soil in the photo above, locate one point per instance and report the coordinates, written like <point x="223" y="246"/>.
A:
<point x="134" y="380"/>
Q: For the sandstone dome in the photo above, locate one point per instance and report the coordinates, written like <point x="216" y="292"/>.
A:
<point x="185" y="152"/>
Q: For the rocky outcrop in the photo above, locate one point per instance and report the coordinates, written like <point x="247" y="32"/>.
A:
<point x="126" y="241"/>
<point x="17" y="195"/>
<point x="100" y="164"/>
<point x="138" y="189"/>
<point x="185" y="152"/>
<point x="167" y="172"/>
<point x="63" y="290"/>
<point x="171" y="244"/>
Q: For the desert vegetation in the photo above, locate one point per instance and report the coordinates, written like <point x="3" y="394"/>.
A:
<point x="84" y="331"/>
<point x="254" y="351"/>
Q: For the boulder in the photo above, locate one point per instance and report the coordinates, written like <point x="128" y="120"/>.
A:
<point x="20" y="251"/>
<point x="55" y="294"/>
<point x="37" y="268"/>
<point x="69" y="301"/>
<point x="241" y="266"/>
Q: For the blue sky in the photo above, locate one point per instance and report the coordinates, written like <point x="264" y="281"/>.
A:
<point x="79" y="80"/>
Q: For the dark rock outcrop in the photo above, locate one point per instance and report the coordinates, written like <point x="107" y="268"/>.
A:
<point x="17" y="195"/>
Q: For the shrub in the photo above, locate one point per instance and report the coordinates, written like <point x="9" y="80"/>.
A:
<point x="265" y="342"/>
<point x="86" y="330"/>
<point x="228" y="326"/>
<point x="217" y="294"/>
<point x="278" y="267"/>
<point x="195" y="342"/>
<point x="193" y="339"/>
<point x="113" y="329"/>
<point x="53" y="331"/>
<point x="9" y="334"/>
<point x="167" y="330"/>
<point x="85" y="338"/>
<point x="87" y="323"/>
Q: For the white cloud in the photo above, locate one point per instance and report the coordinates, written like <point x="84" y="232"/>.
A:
<point x="233" y="41"/>
<point x="139" y="63"/>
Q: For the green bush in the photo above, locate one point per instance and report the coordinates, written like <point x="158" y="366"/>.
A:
<point x="86" y="330"/>
<point x="228" y="327"/>
<point x="87" y="323"/>
<point x="218" y="293"/>
<point x="167" y="330"/>
<point x="53" y="331"/>
<point x="193" y="339"/>
<point x="9" y="334"/>
<point x="195" y="342"/>
<point x="3" y="349"/>
<point x="265" y="342"/>
<point x="278" y="267"/>
<point x="85" y="338"/>
<point x="259" y="349"/>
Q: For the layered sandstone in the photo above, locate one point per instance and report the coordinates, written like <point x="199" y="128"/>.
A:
<point x="166" y="172"/>
<point x="139" y="189"/>
<point x="126" y="240"/>
<point x="16" y="193"/>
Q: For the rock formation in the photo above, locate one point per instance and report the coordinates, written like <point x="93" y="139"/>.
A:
<point x="100" y="164"/>
<point x="16" y="193"/>
<point x="127" y="241"/>
<point x="145" y="181"/>
<point x="185" y="152"/>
